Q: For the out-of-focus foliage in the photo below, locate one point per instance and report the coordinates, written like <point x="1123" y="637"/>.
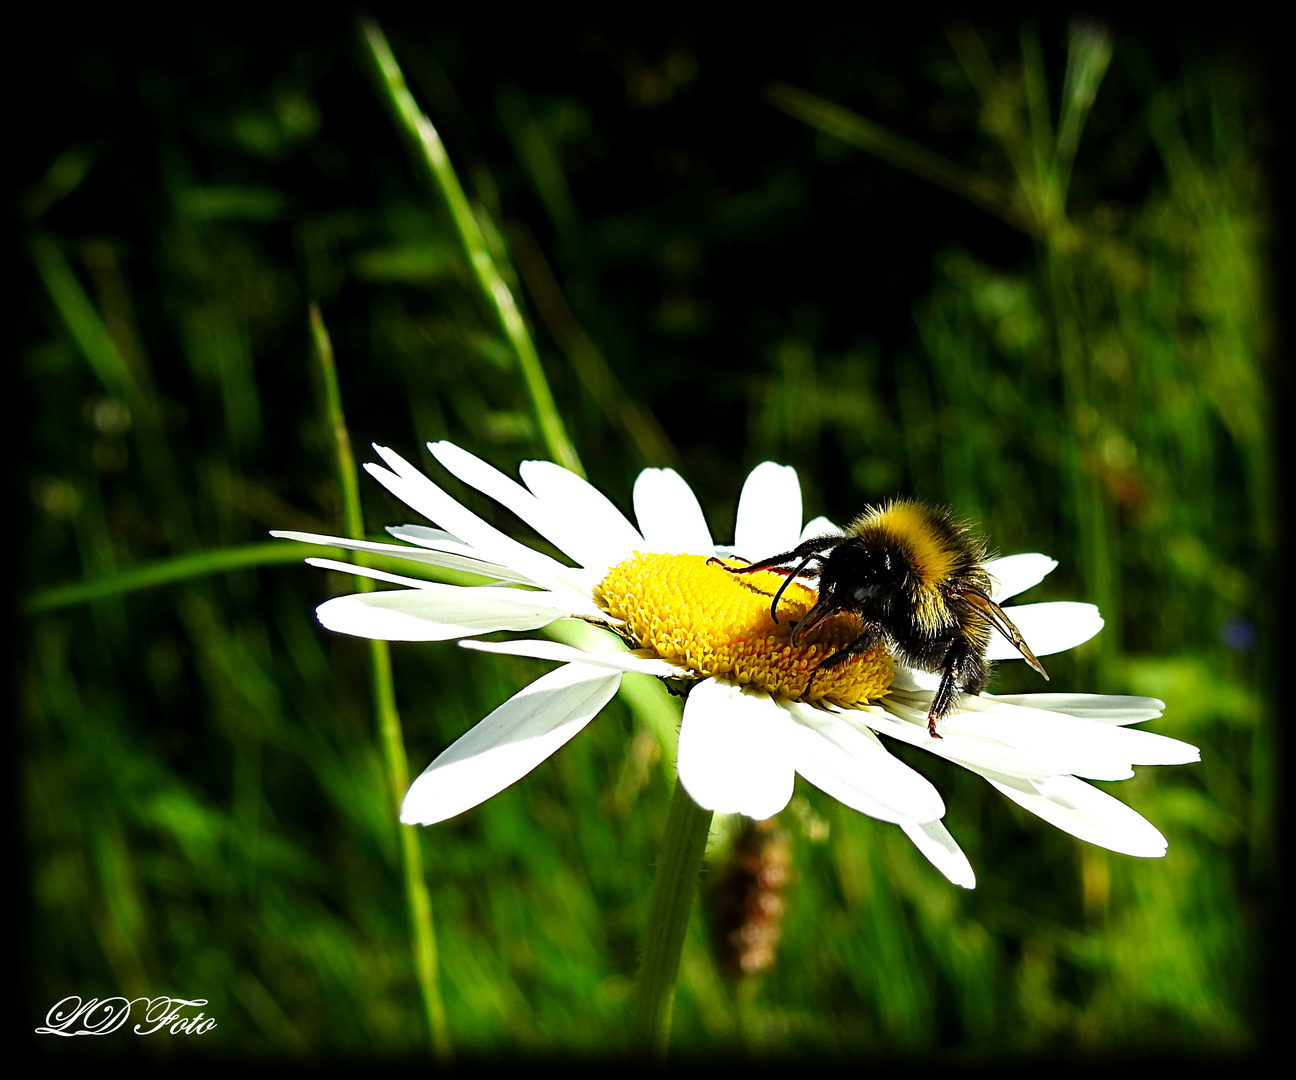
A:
<point x="711" y="282"/>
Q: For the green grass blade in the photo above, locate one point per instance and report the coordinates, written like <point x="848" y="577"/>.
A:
<point x="389" y="722"/>
<point x="854" y="129"/>
<point x="82" y="320"/>
<point x="431" y="152"/>
<point x="1088" y="56"/>
<point x="162" y="572"/>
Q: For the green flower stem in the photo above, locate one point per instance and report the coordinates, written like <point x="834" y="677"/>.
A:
<point x="431" y="153"/>
<point x="389" y="724"/>
<point x="673" y="893"/>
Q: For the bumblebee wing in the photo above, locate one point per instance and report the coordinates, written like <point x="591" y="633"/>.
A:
<point x="994" y="614"/>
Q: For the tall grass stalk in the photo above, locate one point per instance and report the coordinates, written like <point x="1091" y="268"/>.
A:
<point x="389" y="723"/>
<point x="430" y="152"/>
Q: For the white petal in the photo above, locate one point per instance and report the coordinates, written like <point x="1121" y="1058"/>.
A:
<point x="1015" y="574"/>
<point x="437" y="612"/>
<point x="1047" y="628"/>
<point x="669" y="514"/>
<point x="1071" y="744"/>
<point x="935" y="841"/>
<point x="444" y="544"/>
<point x="554" y="650"/>
<point x="851" y="764"/>
<point x="769" y="512"/>
<point x="598" y="534"/>
<point x="907" y="721"/>
<point x="401" y="551"/>
<point x="910" y="679"/>
<point x="417" y="491"/>
<point x="1025" y="719"/>
<point x="1085" y="812"/>
<point x="559" y="522"/>
<point x="356" y="570"/>
<point x="584" y="636"/>
<point x="733" y="751"/>
<point x="438" y="539"/>
<point x="819" y="526"/>
<point x="485" y="478"/>
<point x="509" y="743"/>
<point x="1109" y="708"/>
<point x="990" y="735"/>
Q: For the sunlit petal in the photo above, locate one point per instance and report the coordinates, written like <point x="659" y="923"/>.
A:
<point x="1085" y="812"/>
<point x="555" y="650"/>
<point x="769" y="512"/>
<point x="1014" y="574"/>
<point x="1109" y="708"/>
<point x="373" y="574"/>
<point x="426" y="536"/>
<point x="1047" y="628"/>
<point x="437" y="612"/>
<point x="1023" y="721"/>
<point x="573" y="533"/>
<point x="420" y="555"/>
<point x="851" y="764"/>
<point x="669" y="514"/>
<point x="568" y="599"/>
<point x="417" y="491"/>
<point x="817" y="527"/>
<point x="907" y="722"/>
<point x="935" y="842"/>
<point x="600" y="531"/>
<point x="733" y="753"/>
<point x="1060" y="743"/>
<point x="509" y="743"/>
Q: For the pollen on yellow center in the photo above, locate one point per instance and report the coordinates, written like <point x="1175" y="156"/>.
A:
<point x="698" y="615"/>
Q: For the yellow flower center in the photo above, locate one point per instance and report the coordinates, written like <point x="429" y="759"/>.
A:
<point x="700" y="616"/>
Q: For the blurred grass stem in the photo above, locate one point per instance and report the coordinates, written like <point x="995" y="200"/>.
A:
<point x="854" y="129"/>
<point x="162" y="572"/>
<point x="431" y="153"/>
<point x="389" y="725"/>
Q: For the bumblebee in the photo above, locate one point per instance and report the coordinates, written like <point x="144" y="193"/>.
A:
<point x="914" y="574"/>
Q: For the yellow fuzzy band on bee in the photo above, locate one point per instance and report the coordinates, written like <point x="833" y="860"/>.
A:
<point x="910" y="526"/>
<point x="714" y="623"/>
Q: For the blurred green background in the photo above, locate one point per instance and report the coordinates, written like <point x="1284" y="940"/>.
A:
<point x="1020" y="270"/>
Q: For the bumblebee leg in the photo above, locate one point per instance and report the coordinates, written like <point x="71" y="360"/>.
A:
<point x="811" y="549"/>
<point x="940" y="702"/>
<point x="866" y="642"/>
<point x="862" y="644"/>
<point x="962" y="670"/>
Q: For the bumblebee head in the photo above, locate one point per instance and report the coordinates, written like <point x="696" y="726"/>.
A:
<point x="864" y="578"/>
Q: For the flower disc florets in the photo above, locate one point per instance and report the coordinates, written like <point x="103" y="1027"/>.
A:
<point x="696" y="614"/>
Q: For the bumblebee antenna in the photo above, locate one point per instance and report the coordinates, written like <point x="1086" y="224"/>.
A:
<point x="788" y="581"/>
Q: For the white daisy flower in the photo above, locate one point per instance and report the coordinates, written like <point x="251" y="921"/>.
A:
<point x="747" y="727"/>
